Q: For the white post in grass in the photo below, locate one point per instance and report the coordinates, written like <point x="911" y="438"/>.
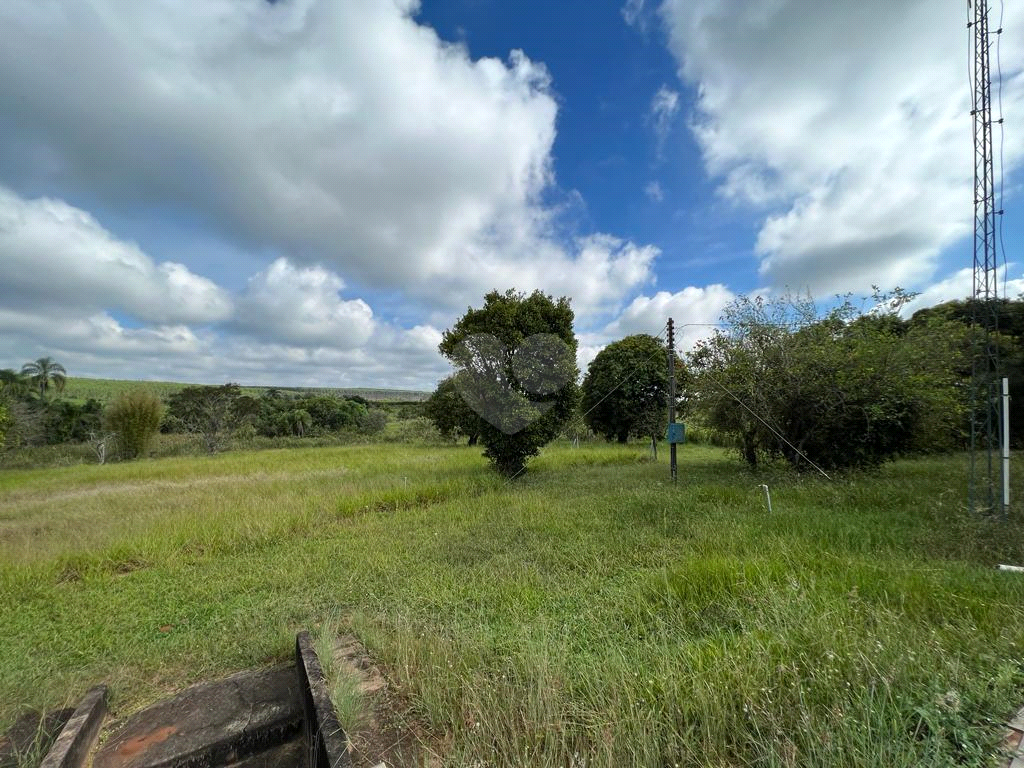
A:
<point x="1006" y="444"/>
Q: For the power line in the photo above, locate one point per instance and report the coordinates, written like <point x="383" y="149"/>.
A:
<point x="605" y="396"/>
<point x="628" y="378"/>
<point x="772" y="429"/>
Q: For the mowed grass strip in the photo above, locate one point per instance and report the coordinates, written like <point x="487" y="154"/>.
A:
<point x="589" y="613"/>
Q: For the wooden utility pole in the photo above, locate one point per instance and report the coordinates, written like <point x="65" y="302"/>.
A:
<point x="671" y="398"/>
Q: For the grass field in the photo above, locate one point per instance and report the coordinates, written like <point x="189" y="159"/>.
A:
<point x="105" y="390"/>
<point x="588" y="614"/>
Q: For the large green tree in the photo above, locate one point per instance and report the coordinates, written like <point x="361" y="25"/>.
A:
<point x="45" y="371"/>
<point x="209" y="411"/>
<point x="1005" y="319"/>
<point x="843" y="389"/>
<point x="625" y="391"/>
<point x="515" y="361"/>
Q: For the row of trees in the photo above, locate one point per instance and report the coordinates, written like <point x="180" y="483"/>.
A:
<point x="845" y="388"/>
<point x="217" y="412"/>
<point x="129" y="422"/>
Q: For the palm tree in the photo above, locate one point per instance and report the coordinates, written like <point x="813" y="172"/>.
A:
<point x="300" y="420"/>
<point x="43" y="371"/>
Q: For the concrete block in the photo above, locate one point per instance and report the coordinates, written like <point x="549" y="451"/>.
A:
<point x="210" y="724"/>
<point x="1017" y="723"/>
<point x="33" y="732"/>
<point x="77" y="738"/>
<point x="326" y="742"/>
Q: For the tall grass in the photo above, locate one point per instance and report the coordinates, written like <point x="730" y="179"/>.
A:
<point x="590" y="613"/>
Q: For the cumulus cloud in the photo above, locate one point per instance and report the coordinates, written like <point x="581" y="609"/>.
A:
<point x="301" y="305"/>
<point x="694" y="311"/>
<point x="400" y="358"/>
<point x="55" y="255"/>
<point x="99" y="345"/>
<point x="343" y="134"/>
<point x="654" y="192"/>
<point x="596" y="272"/>
<point x="847" y="124"/>
<point x="960" y="285"/>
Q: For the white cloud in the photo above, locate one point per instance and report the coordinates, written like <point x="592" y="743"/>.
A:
<point x="393" y="357"/>
<point x="664" y="108"/>
<point x="55" y="255"/>
<point x="343" y="134"/>
<point x="301" y="306"/>
<point x="654" y="192"/>
<point x="98" y="345"/>
<point x="693" y="310"/>
<point x="848" y="123"/>
<point x="959" y="286"/>
<point x="633" y="13"/>
<point x="26" y="335"/>
<point x="597" y="272"/>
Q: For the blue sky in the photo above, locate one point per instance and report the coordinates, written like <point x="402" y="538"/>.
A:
<point x="308" y="192"/>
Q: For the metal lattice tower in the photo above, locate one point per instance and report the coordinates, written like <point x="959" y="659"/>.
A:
<point x="985" y="422"/>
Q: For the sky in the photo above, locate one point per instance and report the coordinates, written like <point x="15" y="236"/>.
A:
<point x="309" y="192"/>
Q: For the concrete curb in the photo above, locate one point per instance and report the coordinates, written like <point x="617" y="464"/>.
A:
<point x="76" y="739"/>
<point x="326" y="742"/>
<point x="1014" y="741"/>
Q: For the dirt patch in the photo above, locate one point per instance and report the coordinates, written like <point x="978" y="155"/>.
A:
<point x="386" y="735"/>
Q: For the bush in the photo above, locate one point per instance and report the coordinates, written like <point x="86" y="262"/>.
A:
<point x="135" y="417"/>
<point x="373" y="422"/>
<point x="846" y="390"/>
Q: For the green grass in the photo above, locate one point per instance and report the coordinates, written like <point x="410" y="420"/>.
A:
<point x="82" y="389"/>
<point x="588" y="614"/>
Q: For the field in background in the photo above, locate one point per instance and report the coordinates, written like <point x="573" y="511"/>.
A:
<point x="588" y="614"/>
<point x="106" y="390"/>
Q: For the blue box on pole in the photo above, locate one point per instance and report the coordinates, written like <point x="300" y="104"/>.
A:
<point x="676" y="433"/>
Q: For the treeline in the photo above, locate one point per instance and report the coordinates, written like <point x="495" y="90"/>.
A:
<point x="854" y="386"/>
<point x="849" y="387"/>
<point x="217" y="412"/>
<point x="31" y="415"/>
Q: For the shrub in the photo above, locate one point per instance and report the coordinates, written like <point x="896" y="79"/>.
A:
<point x="844" y="390"/>
<point x="373" y="422"/>
<point x="135" y="417"/>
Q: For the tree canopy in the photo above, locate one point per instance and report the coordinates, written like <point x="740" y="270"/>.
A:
<point x="43" y="372"/>
<point x="515" y="361"/>
<point x="843" y="389"/>
<point x="625" y="391"/>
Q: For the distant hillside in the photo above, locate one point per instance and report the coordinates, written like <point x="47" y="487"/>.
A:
<point x="105" y="390"/>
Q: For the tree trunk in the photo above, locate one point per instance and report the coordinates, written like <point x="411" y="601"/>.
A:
<point x="749" y="451"/>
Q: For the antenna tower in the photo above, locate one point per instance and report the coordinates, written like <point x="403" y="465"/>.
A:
<point x="985" y="423"/>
